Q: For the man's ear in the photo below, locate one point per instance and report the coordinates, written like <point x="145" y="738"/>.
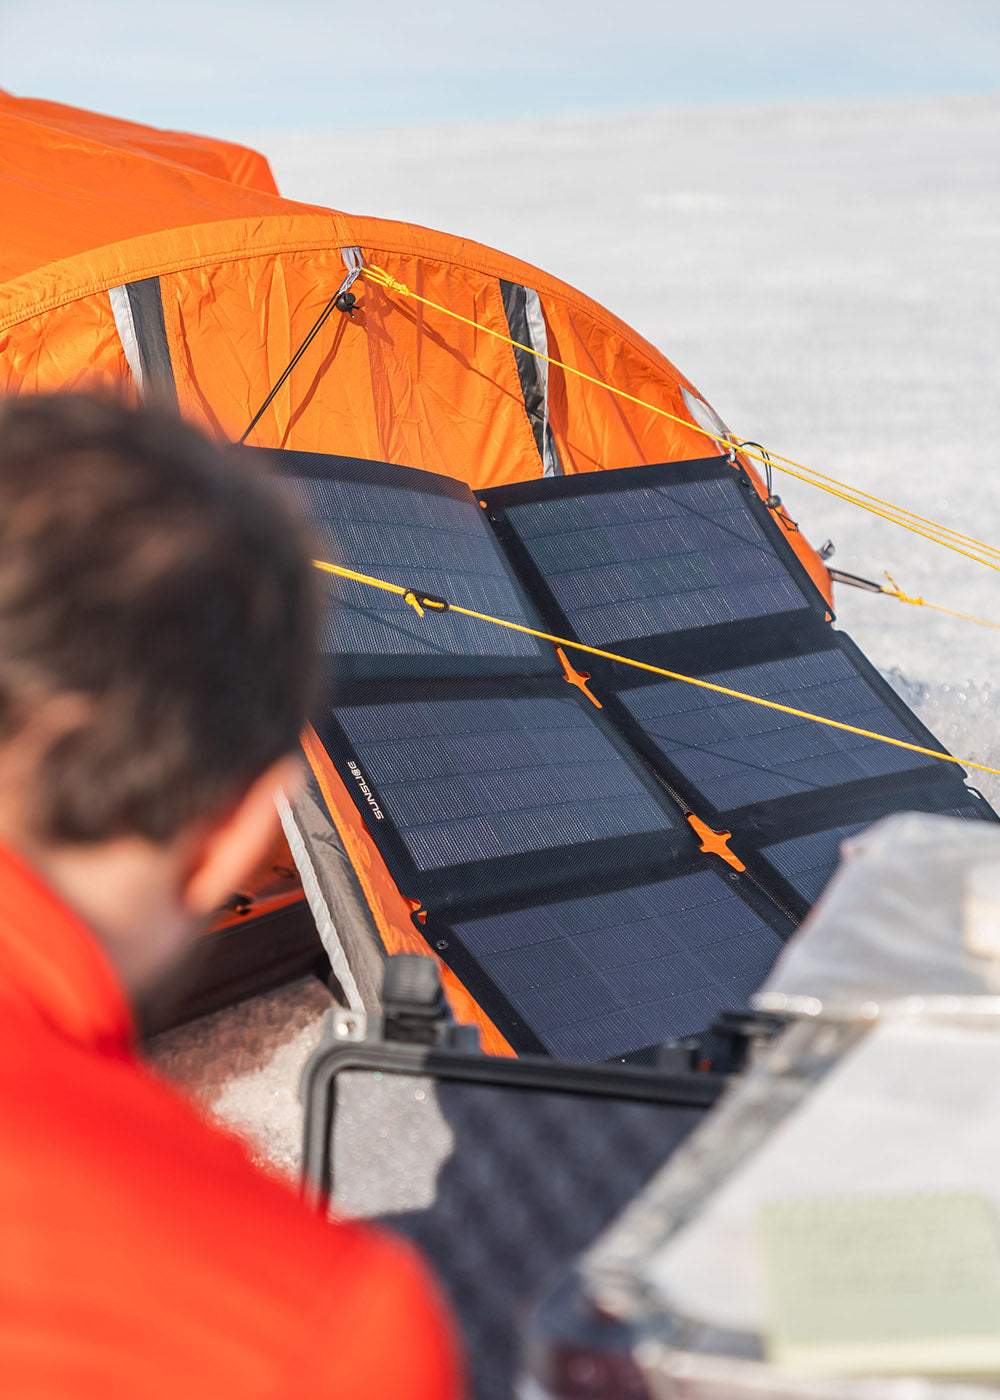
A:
<point x="236" y="843"/>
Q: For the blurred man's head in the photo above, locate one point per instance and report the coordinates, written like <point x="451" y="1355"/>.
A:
<point x="156" y="660"/>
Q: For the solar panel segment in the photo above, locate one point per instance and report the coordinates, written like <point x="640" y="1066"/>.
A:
<point x="499" y="793"/>
<point x="420" y="531"/>
<point x="609" y="974"/>
<point x="735" y="754"/>
<point x="473" y="779"/>
<point x="655" y="551"/>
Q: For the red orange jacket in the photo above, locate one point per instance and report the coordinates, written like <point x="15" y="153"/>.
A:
<point x="141" y="1252"/>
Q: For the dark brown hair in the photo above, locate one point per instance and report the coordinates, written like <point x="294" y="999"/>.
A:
<point x="167" y="594"/>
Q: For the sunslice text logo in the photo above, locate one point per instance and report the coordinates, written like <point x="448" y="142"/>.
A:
<point x="366" y="791"/>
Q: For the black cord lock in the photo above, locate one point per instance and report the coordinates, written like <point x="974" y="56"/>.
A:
<point x="420" y="602"/>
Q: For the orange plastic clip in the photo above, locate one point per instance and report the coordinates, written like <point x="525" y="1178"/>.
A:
<point x="577" y="678"/>
<point x="715" y="843"/>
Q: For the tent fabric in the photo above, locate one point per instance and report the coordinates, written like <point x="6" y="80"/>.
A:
<point x="92" y="204"/>
<point x="223" y="159"/>
<point x="245" y="274"/>
<point x="67" y="193"/>
<point x="397" y="382"/>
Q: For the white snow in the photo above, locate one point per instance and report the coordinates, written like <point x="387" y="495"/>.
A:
<point x="244" y="1064"/>
<point x="827" y="274"/>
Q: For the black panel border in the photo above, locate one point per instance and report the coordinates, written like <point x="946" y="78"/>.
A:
<point x="367" y="471"/>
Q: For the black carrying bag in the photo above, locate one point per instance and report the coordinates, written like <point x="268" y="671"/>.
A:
<point x="499" y="1170"/>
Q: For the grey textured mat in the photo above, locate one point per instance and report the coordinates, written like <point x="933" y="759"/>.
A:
<point x="498" y="1187"/>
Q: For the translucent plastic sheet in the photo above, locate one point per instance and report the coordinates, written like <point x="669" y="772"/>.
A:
<point x="911" y="922"/>
<point x="914" y="1109"/>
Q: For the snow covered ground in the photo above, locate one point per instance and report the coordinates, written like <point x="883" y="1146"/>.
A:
<point x="828" y="275"/>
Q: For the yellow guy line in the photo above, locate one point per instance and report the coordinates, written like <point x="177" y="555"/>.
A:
<point x="416" y="600"/>
<point x="896" y="592"/>
<point x="938" y="534"/>
<point x="893" y="514"/>
<point x="856" y="495"/>
<point x="807" y="474"/>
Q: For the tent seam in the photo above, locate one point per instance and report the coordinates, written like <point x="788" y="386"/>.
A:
<point x="552" y="287"/>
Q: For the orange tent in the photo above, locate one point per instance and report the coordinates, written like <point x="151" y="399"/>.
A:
<point x="147" y="261"/>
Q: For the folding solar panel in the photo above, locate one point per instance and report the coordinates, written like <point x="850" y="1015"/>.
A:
<point x="615" y="559"/>
<point x="494" y="790"/>
<point x="487" y="783"/>
<point x="544" y="838"/>
<point x="610" y="973"/>
<point x="417" y="530"/>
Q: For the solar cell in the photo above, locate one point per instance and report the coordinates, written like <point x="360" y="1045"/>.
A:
<point x="736" y="753"/>
<point x="423" y="532"/>
<point x="653" y="560"/>
<point x="612" y="973"/>
<point x="465" y="780"/>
